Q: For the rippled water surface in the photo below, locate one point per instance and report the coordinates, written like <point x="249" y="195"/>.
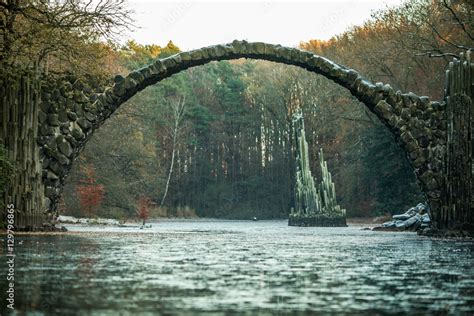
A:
<point x="264" y="267"/>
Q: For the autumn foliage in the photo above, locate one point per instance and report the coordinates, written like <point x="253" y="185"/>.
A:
<point x="90" y="193"/>
<point x="143" y="211"/>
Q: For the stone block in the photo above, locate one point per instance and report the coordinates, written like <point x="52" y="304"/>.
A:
<point x="77" y="132"/>
<point x="62" y="115"/>
<point x="110" y="98"/>
<point x="72" y="116"/>
<point x="137" y="76"/>
<point x="47" y="203"/>
<point x="405" y="114"/>
<point x="46" y="130"/>
<point x="45" y="96"/>
<point x="168" y="62"/>
<point x="51" y="142"/>
<point x="65" y="128"/>
<point x="419" y="161"/>
<point x="187" y="56"/>
<point x="384" y="109"/>
<point x="74" y="143"/>
<point x="237" y="47"/>
<point x="84" y="124"/>
<point x="379" y="87"/>
<point x="53" y="119"/>
<point x="158" y="67"/>
<point x="177" y="58"/>
<point x="51" y="175"/>
<point x="429" y="180"/>
<point x="65" y="148"/>
<point x="409" y="141"/>
<point x="50" y="192"/>
<point x="220" y="50"/>
<point x="424" y="103"/>
<point x="118" y="78"/>
<point x="270" y="50"/>
<point x="55" y="94"/>
<point x="257" y="48"/>
<point x="42" y="117"/>
<point x="62" y="159"/>
<point x="145" y="72"/>
<point x="80" y="97"/>
<point x="121" y="88"/>
<point x="91" y="117"/>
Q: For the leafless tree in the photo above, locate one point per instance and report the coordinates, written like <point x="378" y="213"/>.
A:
<point x="177" y="109"/>
<point x="34" y="30"/>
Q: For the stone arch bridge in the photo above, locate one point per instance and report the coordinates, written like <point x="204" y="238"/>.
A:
<point x="68" y="117"/>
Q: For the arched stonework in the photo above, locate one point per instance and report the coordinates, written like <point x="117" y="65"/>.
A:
<point x="418" y="124"/>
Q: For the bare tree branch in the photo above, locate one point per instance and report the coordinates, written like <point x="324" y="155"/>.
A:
<point x="458" y="20"/>
<point x="431" y="54"/>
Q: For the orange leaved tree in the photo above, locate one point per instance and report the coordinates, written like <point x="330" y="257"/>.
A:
<point x="90" y="193"/>
<point x="143" y="208"/>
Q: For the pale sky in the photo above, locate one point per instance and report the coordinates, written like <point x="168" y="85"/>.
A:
<point x="194" y="24"/>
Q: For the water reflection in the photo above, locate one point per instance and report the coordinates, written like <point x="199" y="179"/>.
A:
<point x="215" y="266"/>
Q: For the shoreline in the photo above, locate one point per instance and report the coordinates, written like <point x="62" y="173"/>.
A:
<point x="360" y="223"/>
<point x="366" y="224"/>
<point x="356" y="222"/>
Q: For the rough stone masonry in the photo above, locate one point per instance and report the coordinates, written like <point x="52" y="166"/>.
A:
<point x="70" y="112"/>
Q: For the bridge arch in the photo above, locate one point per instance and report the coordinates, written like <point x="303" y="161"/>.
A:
<point x="416" y="122"/>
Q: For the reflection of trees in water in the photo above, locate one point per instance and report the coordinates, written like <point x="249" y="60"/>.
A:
<point x="235" y="267"/>
<point x="50" y="285"/>
<point x="85" y="269"/>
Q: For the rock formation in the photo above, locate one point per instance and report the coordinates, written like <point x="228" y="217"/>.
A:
<point x="314" y="205"/>
<point x="416" y="218"/>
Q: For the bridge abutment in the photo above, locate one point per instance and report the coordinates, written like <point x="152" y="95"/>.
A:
<point x="457" y="210"/>
<point x="21" y="99"/>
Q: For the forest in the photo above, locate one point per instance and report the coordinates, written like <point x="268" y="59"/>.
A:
<point x="216" y="140"/>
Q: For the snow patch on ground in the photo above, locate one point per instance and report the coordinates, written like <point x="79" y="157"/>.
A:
<point x="87" y="221"/>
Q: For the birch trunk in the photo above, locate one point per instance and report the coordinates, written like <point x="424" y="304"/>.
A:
<point x="178" y="112"/>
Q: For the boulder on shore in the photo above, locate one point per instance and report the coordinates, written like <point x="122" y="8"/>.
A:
<point x="415" y="218"/>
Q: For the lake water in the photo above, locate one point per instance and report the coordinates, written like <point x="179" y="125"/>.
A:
<point x="239" y="267"/>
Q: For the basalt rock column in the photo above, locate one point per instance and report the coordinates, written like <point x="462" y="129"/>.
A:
<point x="20" y="95"/>
<point x="314" y="206"/>
<point x="457" y="211"/>
<point x="327" y="191"/>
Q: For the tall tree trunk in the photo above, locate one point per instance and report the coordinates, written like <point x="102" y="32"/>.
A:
<point x="178" y="112"/>
<point x="170" y="172"/>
